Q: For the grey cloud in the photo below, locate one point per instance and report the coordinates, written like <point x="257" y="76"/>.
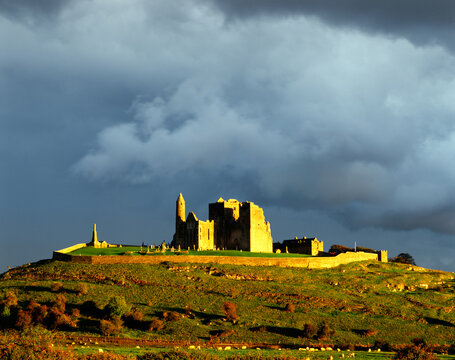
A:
<point x="344" y="133"/>
<point x="420" y="21"/>
<point x="161" y="97"/>
<point x="31" y="11"/>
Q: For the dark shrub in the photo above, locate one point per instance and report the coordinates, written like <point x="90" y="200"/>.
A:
<point x="32" y="305"/>
<point x="5" y="312"/>
<point x="134" y="319"/>
<point x="56" y="286"/>
<point x="117" y="321"/>
<point x="111" y="327"/>
<point x="404" y="258"/>
<point x="60" y="303"/>
<point x="171" y="316"/>
<point x="309" y="331"/>
<point x="136" y="315"/>
<point x="383" y="345"/>
<point x="414" y="353"/>
<point x="23" y="319"/>
<point x="9" y="299"/>
<point x="39" y="313"/>
<point x="289" y="308"/>
<point x="419" y="342"/>
<point x="338" y="249"/>
<point x="230" y="310"/>
<point x="325" y="331"/>
<point x="56" y="319"/>
<point x="155" y="325"/>
<point x="107" y="328"/>
<point x="117" y="306"/>
<point x="89" y="308"/>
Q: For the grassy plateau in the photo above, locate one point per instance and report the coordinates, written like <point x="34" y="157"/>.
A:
<point x="359" y="306"/>
<point x="138" y="250"/>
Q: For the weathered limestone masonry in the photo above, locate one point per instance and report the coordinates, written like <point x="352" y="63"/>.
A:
<point x="383" y="256"/>
<point x="309" y="246"/>
<point x="232" y="225"/>
<point x="310" y="262"/>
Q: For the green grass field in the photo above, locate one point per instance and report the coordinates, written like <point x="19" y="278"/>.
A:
<point x="136" y="250"/>
<point x="364" y="303"/>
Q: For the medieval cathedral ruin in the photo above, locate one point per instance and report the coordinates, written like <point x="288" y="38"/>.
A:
<point x="232" y="225"/>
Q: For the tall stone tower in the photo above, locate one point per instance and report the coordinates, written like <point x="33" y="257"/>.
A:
<point x="180" y="210"/>
<point x="94" y="242"/>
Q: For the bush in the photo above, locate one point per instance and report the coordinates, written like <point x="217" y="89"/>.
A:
<point x="230" y="310"/>
<point x="414" y="352"/>
<point x="107" y="328"/>
<point x="81" y="289"/>
<point x="136" y="315"/>
<point x="134" y="319"/>
<point x="155" y="325"/>
<point x="57" y="319"/>
<point x="404" y="258"/>
<point x="171" y="316"/>
<point x="5" y="312"/>
<point x="90" y="308"/>
<point x="60" y="302"/>
<point x="9" y="299"/>
<point x="56" y="286"/>
<point x="75" y="312"/>
<point x="289" y="308"/>
<point x="419" y="342"/>
<point x="383" y="345"/>
<point x="309" y="331"/>
<point x="39" y="312"/>
<point x="117" y="306"/>
<point x="23" y="319"/>
<point x="325" y="331"/>
<point x="111" y="327"/>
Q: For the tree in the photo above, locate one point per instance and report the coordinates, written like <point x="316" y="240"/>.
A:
<point x="404" y="258"/>
<point x="230" y="310"/>
<point x="117" y="306"/>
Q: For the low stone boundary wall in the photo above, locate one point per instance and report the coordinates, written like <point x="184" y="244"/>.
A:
<point x="301" y="262"/>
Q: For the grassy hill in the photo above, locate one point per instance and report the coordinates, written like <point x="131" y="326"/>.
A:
<point x="360" y="304"/>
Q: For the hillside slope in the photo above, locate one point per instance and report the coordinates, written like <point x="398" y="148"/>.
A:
<point x="355" y="304"/>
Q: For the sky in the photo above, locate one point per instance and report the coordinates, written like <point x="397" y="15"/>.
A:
<point x="336" y="117"/>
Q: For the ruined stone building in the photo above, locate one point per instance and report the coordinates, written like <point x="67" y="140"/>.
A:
<point x="232" y="225"/>
<point x="310" y="246"/>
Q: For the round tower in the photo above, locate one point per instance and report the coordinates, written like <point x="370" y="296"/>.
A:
<point x="180" y="210"/>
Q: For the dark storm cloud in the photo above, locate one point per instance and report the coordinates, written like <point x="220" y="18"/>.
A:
<point x="421" y="21"/>
<point x="32" y="10"/>
<point x="112" y="108"/>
